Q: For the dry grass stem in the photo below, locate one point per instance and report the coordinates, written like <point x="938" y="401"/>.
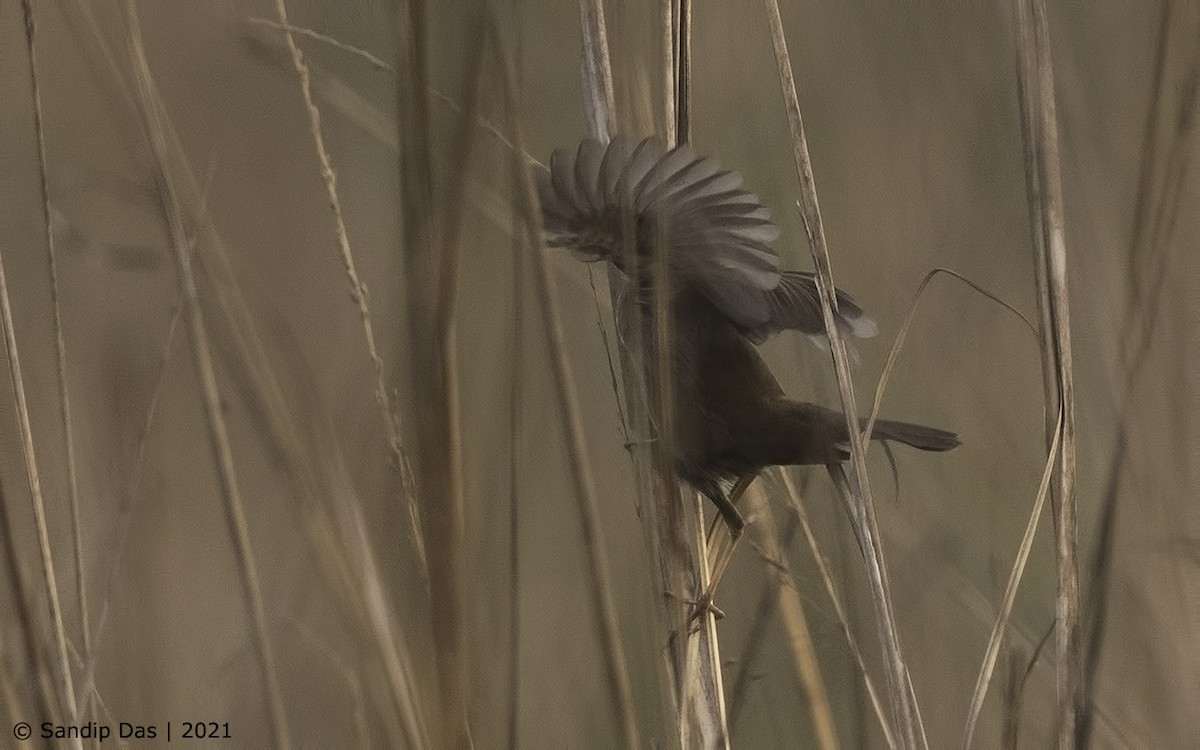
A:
<point x="335" y="94"/>
<point x="60" y="345"/>
<point x="358" y="293"/>
<point x="599" y="109"/>
<point x="334" y="522"/>
<point x="1045" y="198"/>
<point x="61" y="669"/>
<point x="433" y="377"/>
<point x="876" y="576"/>
<point x="667" y="47"/>
<point x="705" y="696"/>
<point x="151" y="110"/>
<point x="903" y="702"/>
<point x="599" y="579"/>
<point x="682" y="70"/>
<point x="289" y="29"/>
<point x="127" y="513"/>
<point x="1010" y="590"/>
<point x="791" y="609"/>
<point x="1165" y="161"/>
<point x="702" y="721"/>
<point x="388" y="640"/>
<point x="797" y="504"/>
<point x="31" y="638"/>
<point x="1023" y="553"/>
<point x="695" y="697"/>
<point x="703" y="716"/>
<point x="902" y="335"/>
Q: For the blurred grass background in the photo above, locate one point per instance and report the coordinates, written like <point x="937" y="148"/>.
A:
<point x="913" y="124"/>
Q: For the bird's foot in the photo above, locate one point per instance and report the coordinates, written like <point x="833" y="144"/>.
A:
<point x="703" y="606"/>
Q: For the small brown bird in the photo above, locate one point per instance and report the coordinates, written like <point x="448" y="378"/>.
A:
<point x="727" y="295"/>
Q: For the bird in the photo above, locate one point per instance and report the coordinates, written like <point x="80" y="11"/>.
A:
<point x="628" y="201"/>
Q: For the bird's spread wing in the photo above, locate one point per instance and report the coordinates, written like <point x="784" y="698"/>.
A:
<point x="795" y="305"/>
<point x="601" y="200"/>
<point x="717" y="234"/>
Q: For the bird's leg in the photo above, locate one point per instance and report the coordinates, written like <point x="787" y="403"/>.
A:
<point x="720" y="548"/>
<point x="735" y="494"/>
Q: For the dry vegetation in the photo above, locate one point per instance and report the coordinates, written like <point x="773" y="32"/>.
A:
<point x="308" y="433"/>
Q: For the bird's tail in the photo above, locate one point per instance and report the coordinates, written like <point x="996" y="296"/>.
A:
<point x="917" y="435"/>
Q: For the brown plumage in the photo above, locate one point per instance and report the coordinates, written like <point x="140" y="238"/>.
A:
<point x="728" y="294"/>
